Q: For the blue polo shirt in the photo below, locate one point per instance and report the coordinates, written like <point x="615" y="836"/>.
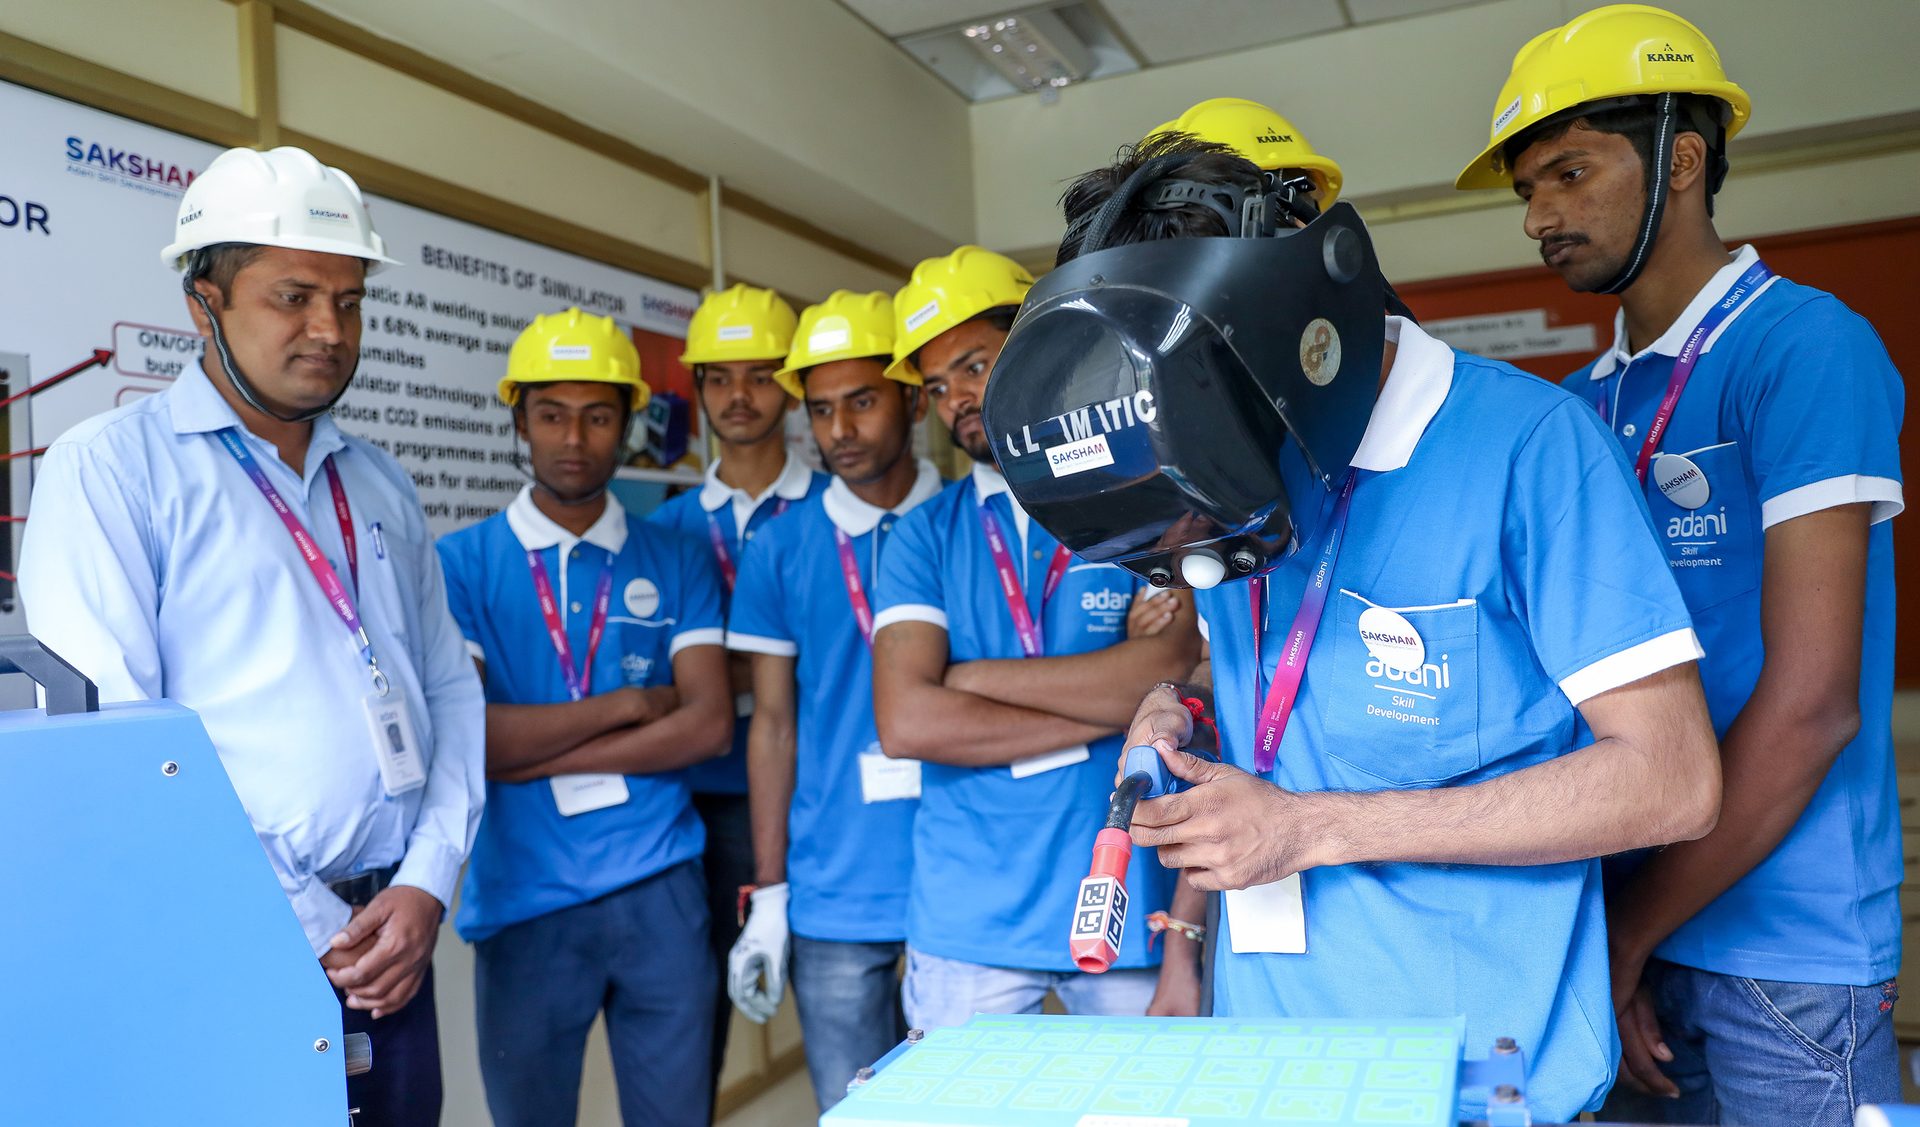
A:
<point x="998" y="860"/>
<point x="849" y="861"/>
<point x="739" y="518"/>
<point x="1491" y="519"/>
<point x="1794" y="407"/>
<point x="530" y="859"/>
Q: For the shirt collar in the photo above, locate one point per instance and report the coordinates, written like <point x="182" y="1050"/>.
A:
<point x="792" y="485"/>
<point x="1416" y="386"/>
<point x="987" y="481"/>
<point x="855" y="517"/>
<point x="197" y="407"/>
<point x="1676" y="335"/>
<point x="536" y="531"/>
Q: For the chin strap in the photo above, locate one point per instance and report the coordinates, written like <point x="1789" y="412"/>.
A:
<point x="1666" y="124"/>
<point x="231" y="367"/>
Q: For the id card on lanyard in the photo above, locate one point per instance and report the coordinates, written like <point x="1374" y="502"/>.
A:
<point x="881" y="779"/>
<point x="728" y="570"/>
<point x="1271" y="918"/>
<point x="577" y="794"/>
<point x="1756" y="276"/>
<point x="389" y="721"/>
<point x="1032" y="640"/>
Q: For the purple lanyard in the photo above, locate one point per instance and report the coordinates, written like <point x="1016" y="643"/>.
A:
<point x="323" y="572"/>
<point x="1031" y="643"/>
<point x="856" y="594"/>
<point x="1285" y="690"/>
<point x="578" y="680"/>
<point x="728" y="571"/>
<point x="1683" y="364"/>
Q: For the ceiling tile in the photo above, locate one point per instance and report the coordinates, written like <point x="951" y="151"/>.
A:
<point x="895" y="18"/>
<point x="1168" y="32"/>
<point x="1373" y="11"/>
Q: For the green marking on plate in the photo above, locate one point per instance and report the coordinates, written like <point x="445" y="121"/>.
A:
<point x="1217" y="1101"/>
<point x="1131" y="1099"/>
<point x="1318" y="1074"/>
<point x="1422" y="1075"/>
<point x="1154" y="1070"/>
<point x="975" y="1093"/>
<point x="1304" y="1107"/>
<point x="1361" y="1047"/>
<point x="931" y="1062"/>
<point x="1237" y="1070"/>
<point x="1077" y="1066"/>
<point x="1043" y="1095"/>
<point x="1115" y="1042"/>
<point x="1399" y="1108"/>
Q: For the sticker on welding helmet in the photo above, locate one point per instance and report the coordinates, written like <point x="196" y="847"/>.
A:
<point x="922" y="315"/>
<point x="570" y="351"/>
<point x="734" y="332"/>
<point x="1506" y="115"/>
<point x="1086" y="454"/>
<point x="1681" y="480"/>
<point x="1320" y="352"/>
<point x="1392" y="640"/>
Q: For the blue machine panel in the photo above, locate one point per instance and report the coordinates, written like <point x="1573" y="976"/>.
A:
<point x="156" y="973"/>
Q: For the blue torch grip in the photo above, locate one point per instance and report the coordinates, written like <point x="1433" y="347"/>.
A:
<point x="1145" y="759"/>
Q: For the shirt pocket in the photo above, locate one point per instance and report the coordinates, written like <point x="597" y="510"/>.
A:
<point x="1404" y="704"/>
<point x="1703" y="510"/>
<point x="640" y="653"/>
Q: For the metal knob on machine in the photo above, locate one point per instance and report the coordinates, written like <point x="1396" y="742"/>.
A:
<point x="359" y="1052"/>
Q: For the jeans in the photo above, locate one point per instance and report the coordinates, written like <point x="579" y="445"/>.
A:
<point x="848" y="995"/>
<point x="640" y="955"/>
<point x="945" y="992"/>
<point x="1752" y="1053"/>
<point x="403" y="1087"/>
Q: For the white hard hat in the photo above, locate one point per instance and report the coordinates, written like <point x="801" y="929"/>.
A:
<point x="279" y="198"/>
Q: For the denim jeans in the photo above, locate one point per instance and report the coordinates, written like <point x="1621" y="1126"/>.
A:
<point x="640" y="955"/>
<point x="848" y="995"/>
<point x="1753" y="1053"/>
<point x="945" y="992"/>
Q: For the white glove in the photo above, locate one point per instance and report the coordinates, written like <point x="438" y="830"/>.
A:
<point x="761" y="952"/>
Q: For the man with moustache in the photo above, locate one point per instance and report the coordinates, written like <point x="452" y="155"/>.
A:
<point x="833" y="816"/>
<point x="223" y="544"/>
<point x="1007" y="669"/>
<point x="735" y="342"/>
<point x="600" y="642"/>
<point x="1753" y="969"/>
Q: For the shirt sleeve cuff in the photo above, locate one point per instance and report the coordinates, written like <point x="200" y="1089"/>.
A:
<point x="910" y="612"/>
<point x="474" y="651"/>
<point x="1204" y="636"/>
<point x="1851" y="489"/>
<point x="705" y="636"/>
<point x="755" y="644"/>
<point x="1631" y="664"/>
<point x="320" y="912"/>
<point x="431" y="868"/>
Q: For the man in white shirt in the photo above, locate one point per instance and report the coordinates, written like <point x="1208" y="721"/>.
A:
<point x="224" y="545"/>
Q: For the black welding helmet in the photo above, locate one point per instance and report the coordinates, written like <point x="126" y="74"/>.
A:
<point x="1140" y="407"/>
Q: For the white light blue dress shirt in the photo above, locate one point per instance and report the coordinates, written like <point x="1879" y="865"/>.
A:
<point x="153" y="564"/>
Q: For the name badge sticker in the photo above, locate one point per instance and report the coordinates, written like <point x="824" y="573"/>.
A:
<point x="1681" y="480"/>
<point x="402" y="767"/>
<point x="887" y="780"/>
<point x="578" y="794"/>
<point x="1087" y="454"/>
<point x="1392" y="640"/>
<point x="1268" y="918"/>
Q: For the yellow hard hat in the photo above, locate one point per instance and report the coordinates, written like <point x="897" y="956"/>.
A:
<point x="1259" y="134"/>
<point x="573" y="347"/>
<point x="846" y="326"/>
<point x="948" y="291"/>
<point x="740" y="322"/>
<point x="1611" y="52"/>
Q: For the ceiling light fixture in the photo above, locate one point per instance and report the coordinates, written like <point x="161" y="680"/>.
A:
<point x="1035" y="51"/>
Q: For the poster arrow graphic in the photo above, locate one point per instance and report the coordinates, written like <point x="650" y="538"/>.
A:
<point x="100" y="357"/>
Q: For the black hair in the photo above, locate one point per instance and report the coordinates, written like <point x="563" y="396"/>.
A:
<point x="1638" y="120"/>
<point x="1000" y="317"/>
<point x="1178" y="156"/>
<point x="221" y="262"/>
